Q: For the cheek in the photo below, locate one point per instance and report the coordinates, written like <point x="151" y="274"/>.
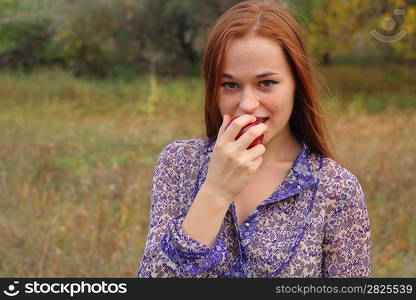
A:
<point x="222" y="107"/>
<point x="281" y="102"/>
<point x="226" y="105"/>
<point x="273" y="104"/>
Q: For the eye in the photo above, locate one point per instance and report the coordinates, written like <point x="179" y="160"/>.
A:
<point x="232" y="85"/>
<point x="227" y="84"/>
<point x="271" y="82"/>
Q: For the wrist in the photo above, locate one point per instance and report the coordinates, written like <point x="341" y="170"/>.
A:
<point x="216" y="196"/>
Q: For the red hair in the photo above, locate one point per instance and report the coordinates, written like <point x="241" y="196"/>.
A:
<point x="269" y="20"/>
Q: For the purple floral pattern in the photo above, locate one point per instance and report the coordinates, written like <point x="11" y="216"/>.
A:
<point x="315" y="224"/>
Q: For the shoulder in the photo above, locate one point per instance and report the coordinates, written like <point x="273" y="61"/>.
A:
<point x="338" y="183"/>
<point x="183" y="150"/>
<point x="190" y="146"/>
<point x="334" y="170"/>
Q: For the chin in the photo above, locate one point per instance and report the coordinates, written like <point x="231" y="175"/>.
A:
<point x="266" y="139"/>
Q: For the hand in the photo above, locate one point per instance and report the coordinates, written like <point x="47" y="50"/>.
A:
<point x="232" y="165"/>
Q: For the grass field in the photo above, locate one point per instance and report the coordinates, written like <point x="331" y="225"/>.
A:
<point x="77" y="159"/>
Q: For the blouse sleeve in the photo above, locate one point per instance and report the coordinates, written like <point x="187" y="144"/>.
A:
<point x="347" y="244"/>
<point x="169" y="251"/>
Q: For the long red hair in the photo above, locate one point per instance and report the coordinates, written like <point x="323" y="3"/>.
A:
<point x="269" y="20"/>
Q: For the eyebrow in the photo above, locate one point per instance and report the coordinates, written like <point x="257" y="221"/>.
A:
<point x="226" y="75"/>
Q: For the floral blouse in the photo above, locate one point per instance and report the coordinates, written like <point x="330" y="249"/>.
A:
<point x="315" y="224"/>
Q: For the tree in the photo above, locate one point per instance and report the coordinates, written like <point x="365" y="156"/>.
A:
<point x="333" y="23"/>
<point x="406" y="47"/>
<point x="25" y="31"/>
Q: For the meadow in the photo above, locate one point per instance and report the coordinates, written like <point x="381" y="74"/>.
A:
<point x="77" y="158"/>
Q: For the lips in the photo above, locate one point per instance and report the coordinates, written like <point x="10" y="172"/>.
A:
<point x="262" y="119"/>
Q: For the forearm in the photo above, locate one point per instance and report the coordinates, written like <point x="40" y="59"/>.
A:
<point x="197" y="253"/>
<point x="170" y="251"/>
<point x="206" y="215"/>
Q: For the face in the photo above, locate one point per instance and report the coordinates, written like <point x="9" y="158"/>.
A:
<point x="257" y="80"/>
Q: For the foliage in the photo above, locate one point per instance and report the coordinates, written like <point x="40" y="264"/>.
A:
<point x="108" y="37"/>
<point x="345" y="26"/>
<point x="24" y="35"/>
<point x="120" y="38"/>
<point x="406" y="48"/>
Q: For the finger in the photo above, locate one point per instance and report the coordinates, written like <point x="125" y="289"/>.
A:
<point x="225" y="121"/>
<point x="258" y="162"/>
<point x="256" y="152"/>
<point x="236" y="125"/>
<point x="255" y="164"/>
<point x="250" y="135"/>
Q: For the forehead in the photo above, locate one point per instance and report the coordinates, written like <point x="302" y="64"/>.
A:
<point x="253" y="53"/>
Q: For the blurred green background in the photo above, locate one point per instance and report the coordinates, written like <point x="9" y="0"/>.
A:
<point x="91" y="91"/>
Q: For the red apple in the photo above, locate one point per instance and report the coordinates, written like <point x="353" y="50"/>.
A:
<point x="257" y="141"/>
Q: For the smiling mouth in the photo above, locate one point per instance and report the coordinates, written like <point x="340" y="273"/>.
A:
<point x="262" y="120"/>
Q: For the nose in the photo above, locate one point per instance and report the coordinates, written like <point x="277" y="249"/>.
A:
<point x="248" y="102"/>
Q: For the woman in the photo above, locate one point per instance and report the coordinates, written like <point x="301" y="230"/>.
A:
<point x="283" y="208"/>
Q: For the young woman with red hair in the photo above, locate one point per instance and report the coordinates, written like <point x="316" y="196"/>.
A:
<point x="283" y="208"/>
